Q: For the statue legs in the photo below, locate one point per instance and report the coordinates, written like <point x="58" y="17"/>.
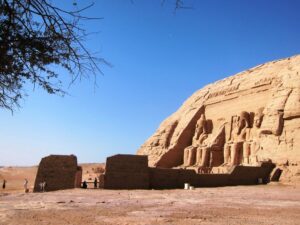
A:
<point x="236" y="153"/>
<point x="185" y="156"/>
<point x="198" y="156"/>
<point x="205" y="157"/>
<point x="226" y="153"/>
<point x="233" y="153"/>
<point x="246" y="152"/>
<point x="189" y="156"/>
<point x="254" y="147"/>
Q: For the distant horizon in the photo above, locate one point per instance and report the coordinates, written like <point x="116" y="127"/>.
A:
<point x="159" y="59"/>
<point x="17" y="166"/>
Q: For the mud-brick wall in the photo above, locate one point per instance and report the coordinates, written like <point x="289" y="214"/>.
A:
<point x="126" y="172"/>
<point x="59" y="172"/>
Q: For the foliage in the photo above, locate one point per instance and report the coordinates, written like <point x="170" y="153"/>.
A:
<point x="36" y="37"/>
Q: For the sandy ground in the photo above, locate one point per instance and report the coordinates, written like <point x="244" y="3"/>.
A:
<point x="263" y="204"/>
<point x="15" y="177"/>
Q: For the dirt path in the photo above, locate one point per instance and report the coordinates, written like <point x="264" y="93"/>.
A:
<point x="265" y="204"/>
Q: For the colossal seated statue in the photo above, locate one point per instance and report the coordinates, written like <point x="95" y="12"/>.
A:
<point x="198" y="138"/>
<point x="210" y="153"/>
<point x="233" y="149"/>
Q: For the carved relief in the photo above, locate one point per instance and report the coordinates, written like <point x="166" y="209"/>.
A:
<point x="165" y="136"/>
<point x="292" y="107"/>
<point x="241" y="147"/>
<point x="224" y="91"/>
<point x="264" y="81"/>
<point x="273" y="120"/>
<point x="208" y="150"/>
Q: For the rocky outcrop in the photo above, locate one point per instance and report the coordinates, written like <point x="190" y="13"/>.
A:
<point x="247" y="118"/>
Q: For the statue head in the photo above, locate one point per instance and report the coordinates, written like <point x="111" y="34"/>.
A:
<point x="243" y="121"/>
<point x="201" y="122"/>
<point x="258" y="117"/>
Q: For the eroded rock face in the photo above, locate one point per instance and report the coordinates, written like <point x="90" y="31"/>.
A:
<point x="247" y="118"/>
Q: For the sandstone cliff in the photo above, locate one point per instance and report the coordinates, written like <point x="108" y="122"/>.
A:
<point x="270" y="91"/>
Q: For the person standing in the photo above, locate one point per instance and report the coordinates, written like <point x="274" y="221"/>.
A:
<point x="41" y="186"/>
<point x="26" y="185"/>
<point x="44" y="186"/>
<point x="84" y="185"/>
<point x="95" y="183"/>
<point x="4" y="184"/>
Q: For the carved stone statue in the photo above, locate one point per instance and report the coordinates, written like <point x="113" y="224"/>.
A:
<point x="274" y="124"/>
<point x="233" y="149"/>
<point x="252" y="145"/>
<point x="198" y="138"/>
<point x="210" y="153"/>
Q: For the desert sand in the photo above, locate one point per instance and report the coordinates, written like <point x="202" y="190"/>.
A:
<point x="275" y="203"/>
<point x="264" y="204"/>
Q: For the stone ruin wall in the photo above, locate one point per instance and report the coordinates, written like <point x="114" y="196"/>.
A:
<point x="126" y="172"/>
<point x="59" y="172"/>
<point x="78" y="177"/>
<point x="247" y="118"/>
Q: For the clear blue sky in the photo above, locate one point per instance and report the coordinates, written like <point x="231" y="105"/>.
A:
<point x="159" y="59"/>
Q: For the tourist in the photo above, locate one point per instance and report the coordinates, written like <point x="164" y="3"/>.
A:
<point x="41" y="186"/>
<point x="84" y="185"/>
<point x="44" y="184"/>
<point x="4" y="184"/>
<point x="95" y="183"/>
<point x="25" y="185"/>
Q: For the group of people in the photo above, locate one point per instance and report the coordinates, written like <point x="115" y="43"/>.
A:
<point x="84" y="184"/>
<point x="43" y="186"/>
<point x="25" y="185"/>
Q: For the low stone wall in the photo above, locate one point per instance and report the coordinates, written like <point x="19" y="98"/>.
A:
<point x="132" y="172"/>
<point x="240" y="175"/>
<point x="248" y="175"/>
<point x="59" y="172"/>
<point x="161" y="178"/>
